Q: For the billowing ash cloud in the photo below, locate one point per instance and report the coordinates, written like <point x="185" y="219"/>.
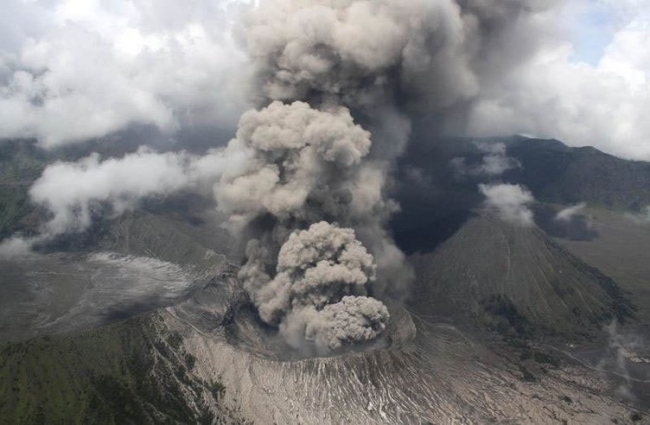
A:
<point x="303" y="164"/>
<point x="348" y="49"/>
<point x="386" y="59"/>
<point x="353" y="320"/>
<point x="315" y="266"/>
<point x="73" y="191"/>
<point x="502" y="64"/>
<point x="383" y="63"/>
<point x="306" y="168"/>
<point x="318" y="293"/>
<point x="510" y="202"/>
<point x="567" y="214"/>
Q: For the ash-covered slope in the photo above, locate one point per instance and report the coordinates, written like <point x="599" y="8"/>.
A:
<point x="435" y="373"/>
<point x="620" y="250"/>
<point x="136" y="264"/>
<point x="165" y="368"/>
<point x="516" y="280"/>
<point x="221" y="360"/>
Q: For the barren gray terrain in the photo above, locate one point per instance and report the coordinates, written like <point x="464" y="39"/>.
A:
<point x="502" y="324"/>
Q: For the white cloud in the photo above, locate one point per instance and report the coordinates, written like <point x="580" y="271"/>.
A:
<point x="602" y="105"/>
<point x="510" y="202"/>
<point x="72" y="70"/>
<point x="97" y="67"/>
<point x="72" y="191"/>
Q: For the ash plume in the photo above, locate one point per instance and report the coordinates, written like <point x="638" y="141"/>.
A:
<point x="303" y="164"/>
<point x="316" y="266"/>
<point x="389" y="61"/>
<point x="486" y="67"/>
<point x="319" y="291"/>
<point x="353" y="320"/>
<point x="305" y="169"/>
<point x="338" y="85"/>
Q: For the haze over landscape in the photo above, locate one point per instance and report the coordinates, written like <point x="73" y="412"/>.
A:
<point x="325" y="211"/>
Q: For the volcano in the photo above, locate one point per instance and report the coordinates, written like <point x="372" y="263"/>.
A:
<point x="499" y="316"/>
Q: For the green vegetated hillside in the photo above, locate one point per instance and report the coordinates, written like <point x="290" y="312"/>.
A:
<point x="20" y="165"/>
<point x="132" y="372"/>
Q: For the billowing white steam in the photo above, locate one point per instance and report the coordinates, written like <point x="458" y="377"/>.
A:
<point x="510" y="202"/>
<point x="73" y="191"/>
<point x="567" y="214"/>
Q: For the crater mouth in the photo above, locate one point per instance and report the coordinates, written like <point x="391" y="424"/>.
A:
<point x="249" y="333"/>
<point x="223" y="311"/>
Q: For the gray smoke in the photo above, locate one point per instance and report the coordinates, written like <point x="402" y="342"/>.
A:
<point x="303" y="164"/>
<point x="345" y="51"/>
<point x="315" y="268"/>
<point x="322" y="70"/>
<point x="319" y="291"/>
<point x="507" y="66"/>
<point x="389" y="60"/>
<point x="353" y="320"/>
<point x="306" y="168"/>
<point x="337" y="85"/>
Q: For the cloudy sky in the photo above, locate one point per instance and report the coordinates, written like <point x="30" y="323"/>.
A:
<point x="588" y="88"/>
<point x="71" y="70"/>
